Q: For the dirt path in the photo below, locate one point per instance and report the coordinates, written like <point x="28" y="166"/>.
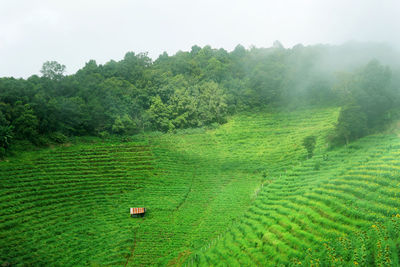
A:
<point x="187" y="194"/>
<point x="132" y="251"/>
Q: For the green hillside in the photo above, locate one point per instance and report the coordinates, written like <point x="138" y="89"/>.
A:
<point x="69" y="205"/>
<point x="340" y="208"/>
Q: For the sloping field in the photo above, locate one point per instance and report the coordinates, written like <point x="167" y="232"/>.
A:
<point x="70" y="205"/>
<point x="339" y="209"/>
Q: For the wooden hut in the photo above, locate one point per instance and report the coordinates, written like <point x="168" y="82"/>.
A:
<point x="137" y="212"/>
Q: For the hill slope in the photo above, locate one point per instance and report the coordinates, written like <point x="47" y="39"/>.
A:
<point x="341" y="207"/>
<point x="69" y="205"/>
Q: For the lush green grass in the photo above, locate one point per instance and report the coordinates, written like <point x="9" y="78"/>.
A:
<point x="69" y="205"/>
<point x="339" y="208"/>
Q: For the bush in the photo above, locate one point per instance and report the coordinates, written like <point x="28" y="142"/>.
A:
<point x="2" y="152"/>
<point x="58" y="137"/>
<point x="351" y="125"/>
<point x="309" y="144"/>
<point x="317" y="165"/>
<point x="104" y="135"/>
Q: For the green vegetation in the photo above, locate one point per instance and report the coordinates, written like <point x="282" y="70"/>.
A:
<point x="345" y="213"/>
<point x="195" y="89"/>
<point x="368" y="98"/>
<point x="69" y="205"/>
<point x="309" y="144"/>
<point x="257" y="157"/>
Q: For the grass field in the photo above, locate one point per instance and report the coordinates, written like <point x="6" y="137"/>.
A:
<point x="240" y="194"/>
<point x="341" y="208"/>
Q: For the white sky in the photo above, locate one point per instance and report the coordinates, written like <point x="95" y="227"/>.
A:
<point x="74" y="31"/>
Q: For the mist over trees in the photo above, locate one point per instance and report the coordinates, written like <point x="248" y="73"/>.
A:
<point x="199" y="88"/>
<point x="368" y="102"/>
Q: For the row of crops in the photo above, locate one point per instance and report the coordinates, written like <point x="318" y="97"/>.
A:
<point x="218" y="172"/>
<point x="340" y="208"/>
<point x="69" y="205"/>
<point x="64" y="206"/>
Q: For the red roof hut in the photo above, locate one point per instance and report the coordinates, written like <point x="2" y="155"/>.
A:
<point x="136" y="212"/>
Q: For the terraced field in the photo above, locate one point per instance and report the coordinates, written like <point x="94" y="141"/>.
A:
<point x="70" y="205"/>
<point x="340" y="208"/>
<point x="64" y="206"/>
<point x="227" y="165"/>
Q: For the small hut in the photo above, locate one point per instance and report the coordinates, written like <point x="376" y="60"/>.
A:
<point x="137" y="212"/>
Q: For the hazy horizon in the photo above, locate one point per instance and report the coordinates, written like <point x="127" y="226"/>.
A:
<point x="72" y="33"/>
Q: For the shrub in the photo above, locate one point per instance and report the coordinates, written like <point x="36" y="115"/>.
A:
<point x="2" y="152"/>
<point x="58" y="137"/>
<point x="309" y="143"/>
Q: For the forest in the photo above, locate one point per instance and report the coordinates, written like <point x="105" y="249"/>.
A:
<point x="200" y="88"/>
<point x="251" y="157"/>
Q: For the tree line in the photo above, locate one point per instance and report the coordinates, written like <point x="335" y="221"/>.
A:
<point x="196" y="88"/>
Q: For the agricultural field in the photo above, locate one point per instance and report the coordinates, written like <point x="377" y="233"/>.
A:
<point x="70" y="205"/>
<point x="340" y="208"/>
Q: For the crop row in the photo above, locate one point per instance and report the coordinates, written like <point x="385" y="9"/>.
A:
<point x="300" y="212"/>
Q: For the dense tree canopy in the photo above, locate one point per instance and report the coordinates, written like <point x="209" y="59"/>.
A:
<point x="193" y="89"/>
<point x="368" y="97"/>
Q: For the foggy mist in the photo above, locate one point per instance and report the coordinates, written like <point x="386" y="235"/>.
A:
<point x="73" y="32"/>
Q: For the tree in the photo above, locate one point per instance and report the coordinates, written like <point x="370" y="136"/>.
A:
<point x="3" y="121"/>
<point x="124" y="125"/>
<point x="132" y="67"/>
<point x="277" y="45"/>
<point x="53" y="70"/>
<point x="183" y="106"/>
<point x="5" y="139"/>
<point x="267" y="78"/>
<point x="309" y="143"/>
<point x="374" y="93"/>
<point x="195" y="49"/>
<point x="215" y="70"/>
<point x="70" y="114"/>
<point x="351" y="125"/>
<point x="212" y="105"/>
<point x="159" y="115"/>
<point x="114" y="97"/>
<point x="26" y="125"/>
<point x="368" y="97"/>
<point x="6" y="134"/>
